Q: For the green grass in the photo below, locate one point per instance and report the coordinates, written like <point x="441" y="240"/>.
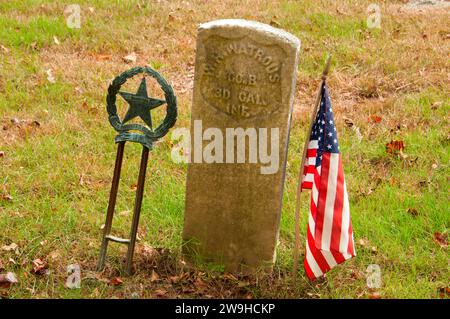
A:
<point x="39" y="30"/>
<point x="58" y="174"/>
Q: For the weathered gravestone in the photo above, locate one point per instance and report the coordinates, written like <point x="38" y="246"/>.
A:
<point x="245" y="78"/>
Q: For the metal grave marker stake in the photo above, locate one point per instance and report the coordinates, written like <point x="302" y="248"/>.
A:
<point x="140" y="106"/>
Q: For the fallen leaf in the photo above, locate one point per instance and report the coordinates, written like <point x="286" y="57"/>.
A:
<point x="363" y="242"/>
<point x="444" y="292"/>
<point x="394" y="146"/>
<point x="340" y="11"/>
<point x="229" y="276"/>
<point x="436" y="105"/>
<point x="397" y="128"/>
<point x="413" y="212"/>
<point x="375" y="295"/>
<point x="154" y="276"/>
<point x="174" y="279"/>
<point x="55" y="39"/>
<point x="441" y="239"/>
<point x="78" y="90"/>
<point x="199" y="283"/>
<point x="445" y="36"/>
<point x="409" y="160"/>
<point x="7" y="280"/>
<point x="40" y="267"/>
<point x="15" y="121"/>
<point x="142" y="233"/>
<point x="5" y="49"/>
<point x="313" y="295"/>
<point x="50" y="76"/>
<point x="81" y="180"/>
<point x="149" y="252"/>
<point x="54" y="255"/>
<point x="348" y="122"/>
<point x="73" y="280"/>
<point x="18" y="214"/>
<point x="356" y="274"/>
<point x="393" y="181"/>
<point x="187" y="289"/>
<point x="160" y="292"/>
<point x="6" y="197"/>
<point x="130" y="58"/>
<point x="31" y="290"/>
<point x="360" y="295"/>
<point x="103" y="57"/>
<point x="275" y="23"/>
<point x="116" y="281"/>
<point x="374" y="119"/>
<point x="10" y="247"/>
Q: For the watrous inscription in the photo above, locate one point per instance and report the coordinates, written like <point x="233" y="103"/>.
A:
<point x="241" y="77"/>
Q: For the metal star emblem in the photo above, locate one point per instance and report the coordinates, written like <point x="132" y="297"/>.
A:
<point x="140" y="104"/>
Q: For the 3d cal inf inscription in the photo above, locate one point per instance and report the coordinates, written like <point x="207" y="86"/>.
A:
<point x="241" y="77"/>
<point x="140" y="106"/>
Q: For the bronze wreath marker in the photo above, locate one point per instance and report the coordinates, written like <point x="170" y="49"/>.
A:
<point x="140" y="106"/>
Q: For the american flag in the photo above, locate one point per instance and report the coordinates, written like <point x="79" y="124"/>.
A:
<point x="329" y="232"/>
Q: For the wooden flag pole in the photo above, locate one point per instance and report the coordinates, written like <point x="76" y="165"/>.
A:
<point x="300" y="174"/>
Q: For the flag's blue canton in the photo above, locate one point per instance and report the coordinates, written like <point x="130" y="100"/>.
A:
<point x="324" y="130"/>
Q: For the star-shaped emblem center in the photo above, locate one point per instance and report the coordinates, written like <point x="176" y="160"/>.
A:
<point x="140" y="104"/>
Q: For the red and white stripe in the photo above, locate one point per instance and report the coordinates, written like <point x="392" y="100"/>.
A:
<point x="329" y="233"/>
<point x="310" y="165"/>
